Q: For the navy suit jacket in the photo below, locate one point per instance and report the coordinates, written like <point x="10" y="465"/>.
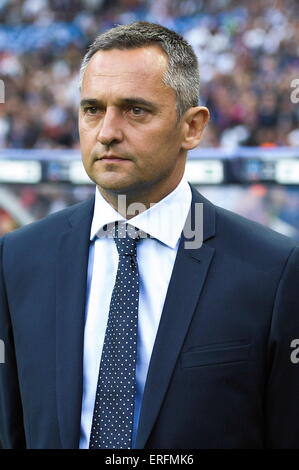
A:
<point x="220" y="375"/>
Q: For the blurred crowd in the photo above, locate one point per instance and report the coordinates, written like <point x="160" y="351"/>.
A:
<point x="248" y="53"/>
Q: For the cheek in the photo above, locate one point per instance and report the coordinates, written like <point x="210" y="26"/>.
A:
<point x="156" y="146"/>
<point x="86" y="138"/>
<point x="164" y="142"/>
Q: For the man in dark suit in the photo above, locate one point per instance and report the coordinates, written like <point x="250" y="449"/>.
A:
<point x="214" y="364"/>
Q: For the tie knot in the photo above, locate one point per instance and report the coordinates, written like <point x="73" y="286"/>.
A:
<point x="126" y="238"/>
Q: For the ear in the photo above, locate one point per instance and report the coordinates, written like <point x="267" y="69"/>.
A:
<point x="195" y="120"/>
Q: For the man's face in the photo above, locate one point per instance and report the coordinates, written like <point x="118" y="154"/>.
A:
<point x="129" y="132"/>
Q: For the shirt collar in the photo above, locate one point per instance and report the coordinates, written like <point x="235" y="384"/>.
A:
<point x="163" y="221"/>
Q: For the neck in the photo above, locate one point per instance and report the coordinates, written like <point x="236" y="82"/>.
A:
<point x="130" y="204"/>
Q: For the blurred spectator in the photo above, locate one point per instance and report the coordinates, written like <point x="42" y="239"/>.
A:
<point x="7" y="223"/>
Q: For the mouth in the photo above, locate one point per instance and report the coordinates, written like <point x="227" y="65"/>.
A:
<point x="112" y="159"/>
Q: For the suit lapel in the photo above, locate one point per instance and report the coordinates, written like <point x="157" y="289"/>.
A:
<point x="71" y="279"/>
<point x="187" y="280"/>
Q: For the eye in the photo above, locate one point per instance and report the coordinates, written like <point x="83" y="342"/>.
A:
<point x="90" y="109"/>
<point x="137" y="111"/>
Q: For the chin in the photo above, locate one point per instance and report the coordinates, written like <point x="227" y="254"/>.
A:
<point x="114" y="185"/>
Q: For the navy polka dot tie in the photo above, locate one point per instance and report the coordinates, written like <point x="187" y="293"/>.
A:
<point x="113" y="416"/>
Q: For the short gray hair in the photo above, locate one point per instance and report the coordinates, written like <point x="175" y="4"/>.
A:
<point x="182" y="74"/>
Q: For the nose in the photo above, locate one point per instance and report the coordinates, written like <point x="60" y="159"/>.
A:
<point x="110" y="131"/>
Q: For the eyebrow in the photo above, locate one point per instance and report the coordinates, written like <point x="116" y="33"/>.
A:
<point x="131" y="101"/>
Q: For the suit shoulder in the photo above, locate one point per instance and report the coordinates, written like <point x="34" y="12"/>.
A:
<point x="237" y="232"/>
<point x="246" y="236"/>
<point x="53" y="223"/>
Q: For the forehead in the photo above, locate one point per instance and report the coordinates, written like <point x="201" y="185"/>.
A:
<point x="126" y="71"/>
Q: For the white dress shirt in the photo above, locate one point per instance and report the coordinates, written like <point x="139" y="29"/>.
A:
<point x="164" y="222"/>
